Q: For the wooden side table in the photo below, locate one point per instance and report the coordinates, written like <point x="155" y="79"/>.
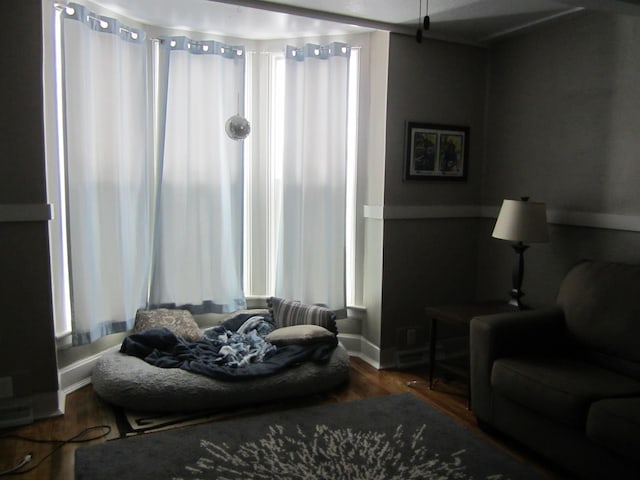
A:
<point x="458" y="314"/>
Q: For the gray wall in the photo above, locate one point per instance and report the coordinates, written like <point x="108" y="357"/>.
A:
<point x="562" y="119"/>
<point x="562" y="110"/>
<point x="427" y="260"/>
<point x="27" y="348"/>
<point x="564" y="116"/>
<point x="563" y="124"/>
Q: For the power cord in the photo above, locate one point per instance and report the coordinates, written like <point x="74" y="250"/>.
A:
<point x="78" y="438"/>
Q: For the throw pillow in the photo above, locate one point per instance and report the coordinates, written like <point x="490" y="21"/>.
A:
<point x="300" y="334"/>
<point x="286" y="313"/>
<point x="180" y="322"/>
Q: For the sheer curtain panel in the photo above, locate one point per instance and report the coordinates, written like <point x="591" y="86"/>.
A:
<point x="311" y="244"/>
<point x="108" y="165"/>
<point x="198" y="241"/>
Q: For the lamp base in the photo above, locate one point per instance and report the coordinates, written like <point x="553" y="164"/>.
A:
<point x="517" y="274"/>
<point x="516" y="300"/>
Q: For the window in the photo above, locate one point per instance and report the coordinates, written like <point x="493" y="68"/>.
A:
<point x="263" y="153"/>
<point x="263" y="183"/>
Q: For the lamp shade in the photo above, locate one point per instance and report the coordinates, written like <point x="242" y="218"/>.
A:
<point x="522" y="221"/>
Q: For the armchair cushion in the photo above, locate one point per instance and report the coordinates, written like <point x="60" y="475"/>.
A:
<point x="599" y="300"/>
<point x="615" y="424"/>
<point x="559" y="387"/>
<point x="565" y="381"/>
<point x="507" y="335"/>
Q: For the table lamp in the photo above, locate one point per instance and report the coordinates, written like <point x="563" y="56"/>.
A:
<point x="521" y="222"/>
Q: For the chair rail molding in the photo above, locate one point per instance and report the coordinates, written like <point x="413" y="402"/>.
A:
<point x="26" y="212"/>
<point x="609" y="221"/>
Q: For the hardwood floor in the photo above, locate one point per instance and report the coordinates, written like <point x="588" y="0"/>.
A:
<point x="84" y="409"/>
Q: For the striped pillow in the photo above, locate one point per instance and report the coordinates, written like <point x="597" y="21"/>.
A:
<point x="286" y="313"/>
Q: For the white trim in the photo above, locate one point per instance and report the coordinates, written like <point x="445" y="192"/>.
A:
<point x="360" y="347"/>
<point x="351" y="342"/>
<point x="609" y="221"/>
<point x="25" y="212"/>
<point x="45" y="405"/>
<point x="437" y="211"/>
<point x="78" y="374"/>
<point x="62" y="401"/>
<point x="375" y="212"/>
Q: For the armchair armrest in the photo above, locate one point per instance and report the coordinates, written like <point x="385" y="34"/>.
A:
<point x="506" y="334"/>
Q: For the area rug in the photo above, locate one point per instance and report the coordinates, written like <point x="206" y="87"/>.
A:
<point x="395" y="437"/>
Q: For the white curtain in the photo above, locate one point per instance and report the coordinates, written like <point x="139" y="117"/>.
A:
<point x="108" y="171"/>
<point x="311" y="244"/>
<point x="198" y="240"/>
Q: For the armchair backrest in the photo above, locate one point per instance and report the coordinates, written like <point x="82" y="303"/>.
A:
<point x="601" y="303"/>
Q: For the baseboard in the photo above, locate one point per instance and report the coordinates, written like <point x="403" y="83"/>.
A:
<point x="78" y="374"/>
<point x="360" y="347"/>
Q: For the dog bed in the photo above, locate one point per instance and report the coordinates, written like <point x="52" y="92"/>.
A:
<point x="130" y="382"/>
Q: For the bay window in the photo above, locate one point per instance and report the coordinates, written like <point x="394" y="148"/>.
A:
<point x="156" y="205"/>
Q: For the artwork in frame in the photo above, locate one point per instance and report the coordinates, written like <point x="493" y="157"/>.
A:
<point x="436" y="152"/>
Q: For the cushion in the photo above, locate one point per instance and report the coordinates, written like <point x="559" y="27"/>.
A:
<point x="180" y="322"/>
<point x="300" y="334"/>
<point x="615" y="424"/>
<point x="601" y="311"/>
<point x="558" y="387"/>
<point x="286" y="313"/>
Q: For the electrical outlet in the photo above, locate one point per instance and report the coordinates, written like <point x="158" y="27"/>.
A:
<point x="6" y="387"/>
<point x="411" y="336"/>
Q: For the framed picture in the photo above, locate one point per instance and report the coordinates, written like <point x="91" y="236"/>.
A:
<point x="436" y="152"/>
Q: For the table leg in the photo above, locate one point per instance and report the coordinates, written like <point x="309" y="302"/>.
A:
<point x="432" y="350"/>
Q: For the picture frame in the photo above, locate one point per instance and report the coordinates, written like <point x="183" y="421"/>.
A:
<point x="436" y="152"/>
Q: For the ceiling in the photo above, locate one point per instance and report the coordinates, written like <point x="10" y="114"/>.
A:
<point x="471" y="21"/>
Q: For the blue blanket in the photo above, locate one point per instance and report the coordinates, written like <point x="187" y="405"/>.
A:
<point x="234" y="350"/>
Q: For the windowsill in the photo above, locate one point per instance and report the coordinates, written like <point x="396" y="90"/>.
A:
<point x="64" y="341"/>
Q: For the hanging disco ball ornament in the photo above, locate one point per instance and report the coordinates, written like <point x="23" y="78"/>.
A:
<point x="237" y="127"/>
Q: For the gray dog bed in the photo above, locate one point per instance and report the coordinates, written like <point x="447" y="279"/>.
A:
<point x="132" y="383"/>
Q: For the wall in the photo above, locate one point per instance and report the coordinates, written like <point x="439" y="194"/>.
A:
<point x="562" y="114"/>
<point x="430" y="239"/>
<point x="563" y="123"/>
<point x="27" y="347"/>
<point x="374" y="192"/>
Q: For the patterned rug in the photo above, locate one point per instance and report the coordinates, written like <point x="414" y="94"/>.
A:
<point x="395" y="437"/>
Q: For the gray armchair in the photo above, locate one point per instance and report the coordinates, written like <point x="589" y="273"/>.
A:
<point x="565" y="381"/>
